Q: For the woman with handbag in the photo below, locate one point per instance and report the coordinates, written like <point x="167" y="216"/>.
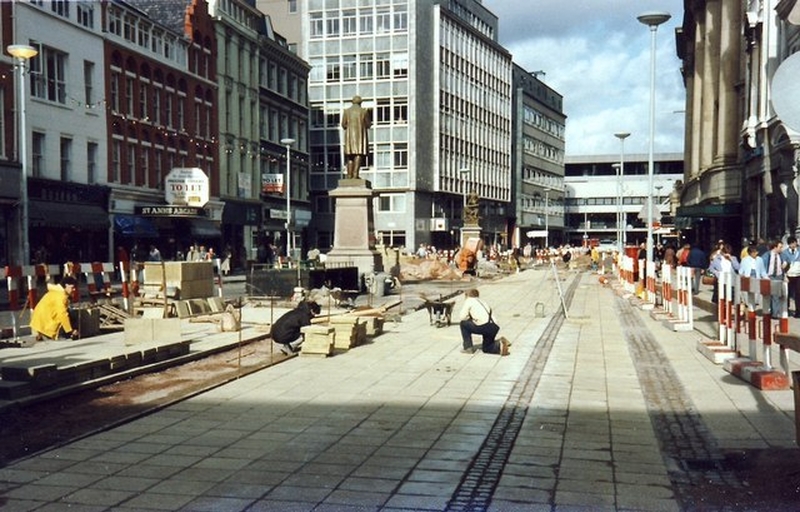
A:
<point x="476" y="318"/>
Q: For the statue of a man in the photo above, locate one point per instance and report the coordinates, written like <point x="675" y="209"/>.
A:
<point x="471" y="209"/>
<point x="356" y="122"/>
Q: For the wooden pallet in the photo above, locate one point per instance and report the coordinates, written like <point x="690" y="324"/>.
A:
<point x="112" y="317"/>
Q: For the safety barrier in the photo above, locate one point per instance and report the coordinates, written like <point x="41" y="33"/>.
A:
<point x="35" y="274"/>
<point x="667" y="273"/>
<point x="737" y="308"/>
<point x="12" y="275"/>
<point x="682" y="318"/>
<point x="650" y="287"/>
<point x="98" y="279"/>
<point x="725" y="346"/>
<point x="626" y="271"/>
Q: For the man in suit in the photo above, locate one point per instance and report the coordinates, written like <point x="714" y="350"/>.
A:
<point x="356" y="121"/>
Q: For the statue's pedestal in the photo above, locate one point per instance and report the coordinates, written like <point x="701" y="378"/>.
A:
<point x="470" y="232"/>
<point x="353" y="243"/>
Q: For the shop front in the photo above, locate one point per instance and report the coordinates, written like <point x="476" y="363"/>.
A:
<point x="67" y="222"/>
<point x="240" y="222"/>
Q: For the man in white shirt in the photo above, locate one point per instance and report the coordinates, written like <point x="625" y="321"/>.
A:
<point x="752" y="266"/>
<point x="791" y="261"/>
<point x="476" y="318"/>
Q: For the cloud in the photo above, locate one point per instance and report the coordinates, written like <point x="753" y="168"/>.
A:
<point x="597" y="56"/>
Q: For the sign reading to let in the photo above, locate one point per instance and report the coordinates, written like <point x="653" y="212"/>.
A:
<point x="186" y="186"/>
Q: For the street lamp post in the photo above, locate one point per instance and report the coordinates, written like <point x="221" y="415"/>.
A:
<point x="621" y="223"/>
<point x="547" y="218"/>
<point x="22" y="53"/>
<point x="288" y="143"/>
<point x="652" y="20"/>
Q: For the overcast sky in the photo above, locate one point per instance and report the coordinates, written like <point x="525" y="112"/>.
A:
<point x="597" y="55"/>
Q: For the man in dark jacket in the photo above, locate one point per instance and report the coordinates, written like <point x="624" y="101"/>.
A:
<point x="286" y="329"/>
<point x="699" y="262"/>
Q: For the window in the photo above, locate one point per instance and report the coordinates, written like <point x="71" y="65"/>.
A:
<point x="365" y="21"/>
<point x="401" y="154"/>
<point x="349" y="67"/>
<point x="129" y="95"/>
<point x="400" y="112"/>
<point x="114" y="21"/>
<point x="292" y="6"/>
<point x="116" y="161"/>
<point x="158" y="167"/>
<point x="88" y="79"/>
<point x="383" y="112"/>
<point x="316" y="25"/>
<point x="383" y="65"/>
<point x="332" y="23"/>
<point x="349" y="23"/>
<point x="400" y="64"/>
<point x="366" y="65"/>
<point x="383" y="20"/>
<point x="129" y="28"/>
<point x="333" y="72"/>
<point x="144" y="167"/>
<point x="131" y="163"/>
<point x="60" y="7"/>
<point x="85" y="11"/>
<point x="181" y="113"/>
<point x="168" y="110"/>
<point x="66" y="159"/>
<point x="156" y="105"/>
<point x="400" y="18"/>
<point x="37" y="149"/>
<point x="48" y="75"/>
<point x="114" y="87"/>
<point x="392" y="203"/>
<point x="91" y="162"/>
<point x="143" y="110"/>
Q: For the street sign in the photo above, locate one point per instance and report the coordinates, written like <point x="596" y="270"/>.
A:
<point x="187" y="186"/>
<point x="169" y="210"/>
<point x="541" y="233"/>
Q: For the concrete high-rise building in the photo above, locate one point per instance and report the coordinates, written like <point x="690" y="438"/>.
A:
<point x="538" y="161"/>
<point x="439" y="87"/>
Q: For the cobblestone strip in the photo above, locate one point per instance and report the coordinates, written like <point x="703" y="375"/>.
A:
<point x="693" y="457"/>
<point x="483" y="474"/>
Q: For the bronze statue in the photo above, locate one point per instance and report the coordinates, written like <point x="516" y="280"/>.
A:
<point x="471" y="216"/>
<point x="356" y="122"/>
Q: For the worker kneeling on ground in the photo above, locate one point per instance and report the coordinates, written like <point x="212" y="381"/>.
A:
<point x="51" y="316"/>
<point x="286" y="329"/>
<point x="476" y="318"/>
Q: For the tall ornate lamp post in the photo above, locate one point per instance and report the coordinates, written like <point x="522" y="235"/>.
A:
<point x="622" y="221"/>
<point x="652" y="20"/>
<point x="288" y="143"/>
<point x="22" y="53"/>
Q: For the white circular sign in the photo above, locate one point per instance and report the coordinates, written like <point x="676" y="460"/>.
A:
<point x="186" y="186"/>
<point x="786" y="92"/>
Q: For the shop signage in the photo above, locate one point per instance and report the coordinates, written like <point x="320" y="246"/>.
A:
<point x="271" y="183"/>
<point x="169" y="211"/>
<point x="186" y="186"/>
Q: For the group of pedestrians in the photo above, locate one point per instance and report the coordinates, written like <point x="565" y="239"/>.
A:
<point x="763" y="260"/>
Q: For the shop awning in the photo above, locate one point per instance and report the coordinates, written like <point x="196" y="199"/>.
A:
<point x="67" y="215"/>
<point x="710" y="210"/>
<point x="204" y="228"/>
<point x="135" y="226"/>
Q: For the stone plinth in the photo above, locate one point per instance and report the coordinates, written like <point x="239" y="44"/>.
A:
<point x="470" y="232"/>
<point x="353" y="244"/>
